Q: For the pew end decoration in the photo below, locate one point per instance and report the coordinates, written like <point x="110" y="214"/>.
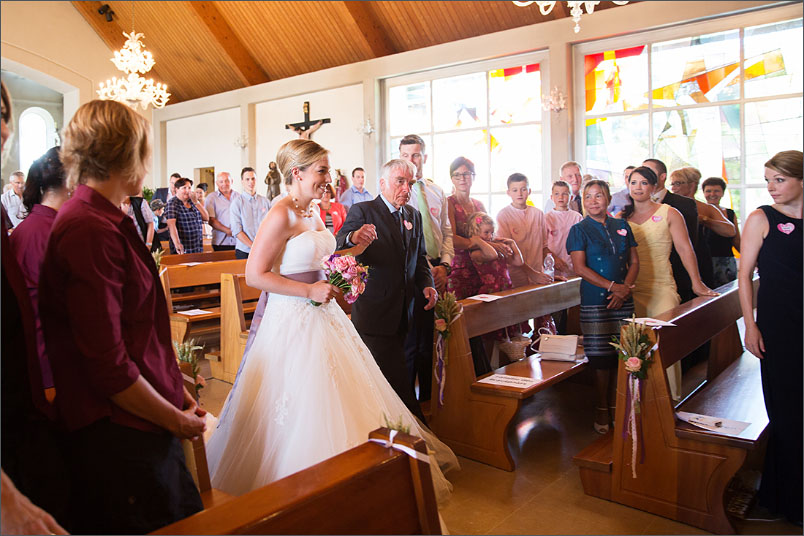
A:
<point x="344" y="272"/>
<point x="397" y="425"/>
<point x="157" y="255"/>
<point x="634" y="348"/>
<point x="187" y="353"/>
<point x="447" y="311"/>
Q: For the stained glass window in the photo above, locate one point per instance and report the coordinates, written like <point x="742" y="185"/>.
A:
<point x="724" y="102"/>
<point x="493" y="117"/>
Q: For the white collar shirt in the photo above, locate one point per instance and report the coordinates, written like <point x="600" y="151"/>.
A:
<point x="438" y="212"/>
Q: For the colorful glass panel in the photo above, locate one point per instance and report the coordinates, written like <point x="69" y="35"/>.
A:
<point x="696" y="70"/>
<point x="515" y="150"/>
<point x="614" y="143"/>
<point x="460" y="102"/>
<point x="515" y="94"/>
<point x="616" y="80"/>
<point x="773" y="59"/>
<point x="770" y="126"/>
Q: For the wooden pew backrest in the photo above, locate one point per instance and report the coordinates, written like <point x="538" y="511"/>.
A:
<point x="213" y="256"/>
<point x="369" y="489"/>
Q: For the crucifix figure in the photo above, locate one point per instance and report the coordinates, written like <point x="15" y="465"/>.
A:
<point x="306" y="128"/>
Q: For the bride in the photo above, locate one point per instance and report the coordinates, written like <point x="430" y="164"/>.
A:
<point x="308" y="388"/>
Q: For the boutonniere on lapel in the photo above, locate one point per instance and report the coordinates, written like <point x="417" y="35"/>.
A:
<point x="408" y="225"/>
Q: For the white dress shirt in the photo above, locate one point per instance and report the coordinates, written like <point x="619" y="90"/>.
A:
<point x="439" y="217"/>
<point x="14" y="207"/>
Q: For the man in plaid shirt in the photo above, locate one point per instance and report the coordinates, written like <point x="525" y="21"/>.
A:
<point x="185" y="219"/>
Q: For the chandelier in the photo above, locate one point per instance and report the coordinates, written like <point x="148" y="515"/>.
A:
<point x="133" y="89"/>
<point x="575" y="9"/>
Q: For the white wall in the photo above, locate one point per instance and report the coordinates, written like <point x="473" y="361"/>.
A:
<point x="344" y="106"/>
<point x="205" y="140"/>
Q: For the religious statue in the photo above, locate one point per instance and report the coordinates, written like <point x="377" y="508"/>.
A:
<point x="306" y="128"/>
<point x="305" y="134"/>
<point x="274" y="181"/>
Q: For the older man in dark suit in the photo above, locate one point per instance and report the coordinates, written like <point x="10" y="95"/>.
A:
<point x="689" y="210"/>
<point x="398" y="271"/>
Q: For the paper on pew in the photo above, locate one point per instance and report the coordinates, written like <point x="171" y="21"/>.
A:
<point x="649" y="322"/>
<point x="191" y="263"/>
<point x="194" y="312"/>
<point x="713" y="424"/>
<point x="509" y="381"/>
<point x="485" y="297"/>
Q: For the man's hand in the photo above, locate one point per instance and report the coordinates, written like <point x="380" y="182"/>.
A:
<point x="365" y="235"/>
<point x="439" y="277"/>
<point x="432" y="295"/>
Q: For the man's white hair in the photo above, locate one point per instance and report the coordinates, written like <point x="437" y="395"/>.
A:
<point x="397" y="163"/>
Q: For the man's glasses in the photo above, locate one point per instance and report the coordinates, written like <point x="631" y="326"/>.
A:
<point x="465" y="176"/>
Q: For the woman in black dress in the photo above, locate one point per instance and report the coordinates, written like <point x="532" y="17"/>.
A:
<point x="772" y="240"/>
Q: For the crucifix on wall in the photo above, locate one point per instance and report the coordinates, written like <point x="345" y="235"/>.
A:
<point x="306" y="128"/>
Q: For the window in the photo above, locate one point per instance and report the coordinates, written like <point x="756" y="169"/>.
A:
<point x="37" y="135"/>
<point x="490" y="113"/>
<point x="723" y="102"/>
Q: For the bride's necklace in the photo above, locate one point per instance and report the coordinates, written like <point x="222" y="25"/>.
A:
<point x="304" y="213"/>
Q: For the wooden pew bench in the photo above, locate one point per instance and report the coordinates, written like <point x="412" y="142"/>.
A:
<point x="212" y="256"/>
<point x="238" y="302"/>
<point x="475" y="418"/>
<point x="203" y="326"/>
<point x="369" y="489"/>
<point x="687" y="469"/>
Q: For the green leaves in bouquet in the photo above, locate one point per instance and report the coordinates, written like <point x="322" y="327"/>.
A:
<point x="157" y="255"/>
<point x="148" y="194"/>
<point x="186" y="352"/>
<point x="396" y="425"/>
<point x="634" y="343"/>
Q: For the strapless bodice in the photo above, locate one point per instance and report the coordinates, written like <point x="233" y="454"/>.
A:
<point x="304" y="252"/>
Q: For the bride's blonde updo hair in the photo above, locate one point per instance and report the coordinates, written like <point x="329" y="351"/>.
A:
<point x="105" y="137"/>
<point x="298" y="154"/>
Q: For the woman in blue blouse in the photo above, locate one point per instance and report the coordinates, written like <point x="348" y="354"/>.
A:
<point x="603" y="252"/>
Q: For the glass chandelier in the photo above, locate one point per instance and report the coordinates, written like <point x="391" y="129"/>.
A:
<point x="133" y="89"/>
<point x="575" y="9"/>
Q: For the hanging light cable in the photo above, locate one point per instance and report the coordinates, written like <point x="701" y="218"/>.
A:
<point x="575" y="9"/>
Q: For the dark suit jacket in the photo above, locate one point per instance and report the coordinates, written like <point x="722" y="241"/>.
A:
<point x="689" y="210"/>
<point x="396" y="271"/>
<point x="161" y="193"/>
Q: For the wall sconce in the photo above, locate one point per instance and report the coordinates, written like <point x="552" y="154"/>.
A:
<point x="556" y="102"/>
<point x="241" y="141"/>
<point x="367" y="128"/>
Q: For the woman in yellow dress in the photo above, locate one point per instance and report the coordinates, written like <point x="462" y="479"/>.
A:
<point x="657" y="228"/>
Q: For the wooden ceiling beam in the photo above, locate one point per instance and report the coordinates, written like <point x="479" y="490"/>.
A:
<point x="110" y="33"/>
<point x="370" y="28"/>
<point x="247" y="67"/>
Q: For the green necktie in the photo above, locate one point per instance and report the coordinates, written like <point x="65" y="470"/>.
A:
<point x="427" y="223"/>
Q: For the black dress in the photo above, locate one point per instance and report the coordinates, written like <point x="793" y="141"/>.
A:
<point x="779" y="318"/>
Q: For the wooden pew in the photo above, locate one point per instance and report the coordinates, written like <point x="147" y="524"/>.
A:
<point x="212" y="256"/>
<point x="475" y="417"/>
<point x="369" y="489"/>
<point x="195" y="454"/>
<point x="686" y="469"/>
<point x="237" y="299"/>
<point x="206" y="325"/>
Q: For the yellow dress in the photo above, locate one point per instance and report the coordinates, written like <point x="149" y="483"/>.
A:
<point x="655" y="290"/>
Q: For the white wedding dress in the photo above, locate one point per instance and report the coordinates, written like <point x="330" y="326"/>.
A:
<point x="309" y="389"/>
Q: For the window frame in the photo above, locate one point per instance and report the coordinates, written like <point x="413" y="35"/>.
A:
<point x="541" y="57"/>
<point x="680" y="31"/>
<point x="51" y="136"/>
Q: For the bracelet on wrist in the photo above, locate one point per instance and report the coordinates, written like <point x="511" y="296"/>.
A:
<point x="610" y="285"/>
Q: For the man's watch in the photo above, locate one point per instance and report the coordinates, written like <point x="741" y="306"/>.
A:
<point x="446" y="266"/>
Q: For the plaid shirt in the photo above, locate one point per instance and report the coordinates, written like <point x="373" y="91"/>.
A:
<point x="188" y="224"/>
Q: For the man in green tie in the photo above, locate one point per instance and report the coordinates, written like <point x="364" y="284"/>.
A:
<point x="429" y="199"/>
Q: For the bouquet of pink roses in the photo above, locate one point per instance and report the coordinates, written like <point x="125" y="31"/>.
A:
<point x="344" y="272"/>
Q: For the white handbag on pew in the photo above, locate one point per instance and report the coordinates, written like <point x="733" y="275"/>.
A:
<point x="557" y="347"/>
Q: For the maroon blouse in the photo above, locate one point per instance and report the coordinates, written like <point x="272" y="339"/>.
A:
<point x="104" y="314"/>
<point x="28" y="243"/>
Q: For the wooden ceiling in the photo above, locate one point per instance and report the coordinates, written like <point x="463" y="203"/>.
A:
<point x="202" y="48"/>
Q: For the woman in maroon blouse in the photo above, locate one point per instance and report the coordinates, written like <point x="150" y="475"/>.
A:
<point x="119" y="390"/>
<point x="45" y="193"/>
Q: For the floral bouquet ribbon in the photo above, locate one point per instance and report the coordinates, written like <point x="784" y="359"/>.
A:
<point x="447" y="311"/>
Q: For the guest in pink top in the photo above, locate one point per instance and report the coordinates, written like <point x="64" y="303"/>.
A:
<point x="45" y="193"/>
<point x="525" y="225"/>
<point x="559" y="221"/>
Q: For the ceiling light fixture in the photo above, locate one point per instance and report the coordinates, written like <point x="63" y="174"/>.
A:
<point x="133" y="89"/>
<point x="575" y="9"/>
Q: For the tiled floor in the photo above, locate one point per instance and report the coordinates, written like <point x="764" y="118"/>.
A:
<point x="544" y="494"/>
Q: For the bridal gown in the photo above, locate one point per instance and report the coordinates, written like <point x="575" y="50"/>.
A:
<point x="308" y="389"/>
